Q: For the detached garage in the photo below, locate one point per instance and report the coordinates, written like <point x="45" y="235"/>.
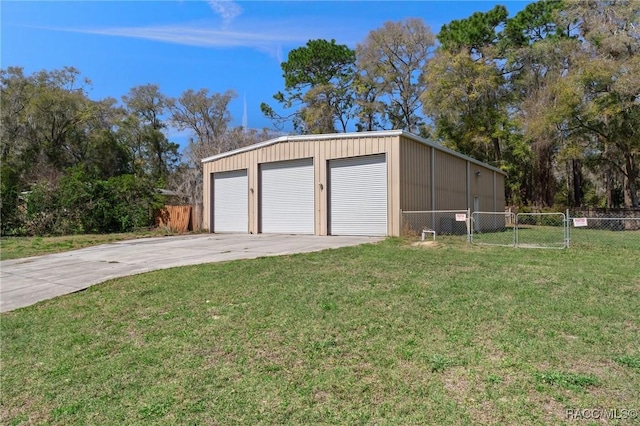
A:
<point x="342" y="184"/>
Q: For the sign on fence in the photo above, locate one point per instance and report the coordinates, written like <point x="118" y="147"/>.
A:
<point x="461" y="217"/>
<point x="580" y="222"/>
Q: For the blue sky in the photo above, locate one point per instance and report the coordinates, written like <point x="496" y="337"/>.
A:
<point x="189" y="44"/>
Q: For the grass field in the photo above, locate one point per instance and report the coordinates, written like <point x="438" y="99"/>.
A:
<point x="19" y="247"/>
<point x="383" y="334"/>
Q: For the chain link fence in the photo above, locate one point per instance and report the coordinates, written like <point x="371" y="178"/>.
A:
<point x="525" y="230"/>
<point x="493" y="228"/>
<point x="448" y="224"/>
<point x="621" y="232"/>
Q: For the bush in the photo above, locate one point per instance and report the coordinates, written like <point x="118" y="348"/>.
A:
<point x="81" y="204"/>
<point x="9" y="212"/>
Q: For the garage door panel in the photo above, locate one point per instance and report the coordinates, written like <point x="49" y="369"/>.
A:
<point x="230" y="201"/>
<point x="358" y="196"/>
<point x="287" y="197"/>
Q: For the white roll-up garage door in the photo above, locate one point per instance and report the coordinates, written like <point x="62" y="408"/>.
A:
<point x="358" y="196"/>
<point x="287" y="197"/>
<point x="231" y="201"/>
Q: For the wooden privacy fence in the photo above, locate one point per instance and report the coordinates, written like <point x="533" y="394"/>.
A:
<point x="180" y="218"/>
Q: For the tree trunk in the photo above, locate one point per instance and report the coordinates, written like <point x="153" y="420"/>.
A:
<point x="497" y="154"/>
<point x="544" y="189"/>
<point x="608" y="189"/>
<point x="630" y="188"/>
<point x="577" y="183"/>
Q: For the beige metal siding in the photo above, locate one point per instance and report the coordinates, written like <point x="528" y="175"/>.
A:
<point x="420" y="175"/>
<point x="322" y="151"/>
<point x="451" y="182"/>
<point x="482" y="187"/>
<point x="415" y="178"/>
<point x="500" y="192"/>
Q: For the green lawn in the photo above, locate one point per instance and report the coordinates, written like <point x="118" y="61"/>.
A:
<point x="19" y="247"/>
<point x="383" y="334"/>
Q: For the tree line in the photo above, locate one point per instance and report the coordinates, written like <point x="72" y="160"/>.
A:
<point x="70" y="164"/>
<point x="550" y="95"/>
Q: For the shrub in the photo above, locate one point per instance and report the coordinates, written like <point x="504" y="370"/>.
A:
<point x="79" y="204"/>
<point x="9" y="213"/>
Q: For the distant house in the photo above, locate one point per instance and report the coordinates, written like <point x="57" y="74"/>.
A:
<point x="342" y="184"/>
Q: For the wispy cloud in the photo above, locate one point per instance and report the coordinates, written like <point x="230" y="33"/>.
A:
<point x="272" y="39"/>
<point x="227" y="9"/>
<point x="270" y="42"/>
<point x="271" y="36"/>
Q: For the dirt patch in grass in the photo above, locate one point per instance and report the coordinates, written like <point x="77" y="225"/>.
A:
<point x="425" y="244"/>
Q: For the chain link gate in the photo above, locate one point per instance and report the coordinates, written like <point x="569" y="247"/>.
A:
<point x="527" y="230"/>
<point x="542" y="230"/>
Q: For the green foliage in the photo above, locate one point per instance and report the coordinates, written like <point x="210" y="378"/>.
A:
<point x="536" y="22"/>
<point x="570" y="381"/>
<point x="629" y="361"/>
<point x="440" y="363"/>
<point x="318" y="83"/>
<point x="153" y="154"/>
<point x="319" y="62"/>
<point x="9" y="181"/>
<point x="41" y="214"/>
<point x="468" y="102"/>
<point x="79" y="203"/>
<point x="473" y="33"/>
<point x="550" y="95"/>
<point x="82" y="165"/>
<point x="133" y="204"/>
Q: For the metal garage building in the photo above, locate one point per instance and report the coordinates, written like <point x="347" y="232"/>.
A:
<point x="342" y="184"/>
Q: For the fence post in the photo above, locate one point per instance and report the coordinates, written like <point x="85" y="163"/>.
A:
<point x="516" y="226"/>
<point x="401" y="224"/>
<point x="567" y="230"/>
<point x="469" y="226"/>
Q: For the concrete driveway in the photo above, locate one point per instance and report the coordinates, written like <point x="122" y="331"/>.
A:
<point x="24" y="282"/>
